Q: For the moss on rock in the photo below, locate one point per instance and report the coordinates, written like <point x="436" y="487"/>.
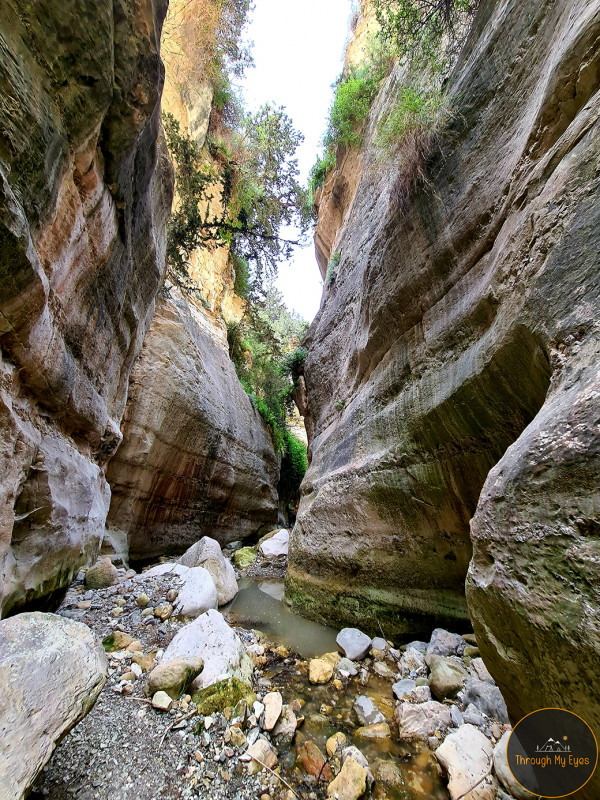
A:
<point x="222" y="695"/>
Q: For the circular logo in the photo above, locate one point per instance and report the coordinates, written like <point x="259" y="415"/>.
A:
<point x="552" y="752"/>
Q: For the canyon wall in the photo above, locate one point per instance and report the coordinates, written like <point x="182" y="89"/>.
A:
<point x="196" y="459"/>
<point x="84" y="199"/>
<point x="458" y="349"/>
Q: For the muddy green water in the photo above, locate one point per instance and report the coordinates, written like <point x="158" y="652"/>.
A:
<point x="403" y="771"/>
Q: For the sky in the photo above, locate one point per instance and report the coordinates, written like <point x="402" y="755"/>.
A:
<point x="298" y="53"/>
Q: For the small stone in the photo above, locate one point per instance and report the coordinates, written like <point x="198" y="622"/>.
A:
<point x="313" y="761"/>
<point x="285" y="728"/>
<point x="116" y="612"/>
<point x="237" y="737"/>
<point x="118" y="640"/>
<point x="471" y="652"/>
<point x="447" y="677"/>
<point x="262" y="750"/>
<point x="383" y="670"/>
<point x="128" y="676"/>
<point x="198" y="756"/>
<point x="135" y="646"/>
<point x="148" y="612"/>
<point x="319" y="671"/>
<point x="162" y="701"/>
<point x="171" y="595"/>
<point x="379" y="643"/>
<point x="470" y="638"/>
<point x="336" y="743"/>
<point x="444" y="643"/>
<point x="273" y="703"/>
<point x="366" y="711"/>
<point x="163" y="612"/>
<point x="381" y="730"/>
<point x="145" y="662"/>
<point x="84" y="605"/>
<point x="338" y="684"/>
<point x="137" y="670"/>
<point x="142" y="600"/>
<point x="353" y="643"/>
<point x="351" y="783"/>
<point x="346" y="668"/>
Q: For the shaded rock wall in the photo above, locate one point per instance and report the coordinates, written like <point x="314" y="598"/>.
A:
<point x="196" y="458"/>
<point x="84" y="197"/>
<point x="451" y="322"/>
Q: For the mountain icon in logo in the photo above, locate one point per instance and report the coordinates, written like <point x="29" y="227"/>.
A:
<point x="553" y="746"/>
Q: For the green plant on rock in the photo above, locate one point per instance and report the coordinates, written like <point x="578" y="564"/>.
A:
<point x="332" y="266"/>
<point x="294" y="464"/>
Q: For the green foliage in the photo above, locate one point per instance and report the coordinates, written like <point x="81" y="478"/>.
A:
<point x="340" y="405"/>
<point x="332" y="266"/>
<point x="241" y="283"/>
<point x="425" y="31"/>
<point x="416" y="108"/>
<point x="293" y="364"/>
<point x="353" y="97"/>
<point x="319" y="171"/>
<point x="294" y="464"/>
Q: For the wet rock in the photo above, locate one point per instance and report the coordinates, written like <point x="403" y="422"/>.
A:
<point x="504" y="774"/>
<point x="407" y="691"/>
<point x="444" y="643"/>
<point x="244" y="558"/>
<point x="51" y="672"/>
<point x="335" y="743"/>
<point x="210" y="638"/>
<point x="174" y="676"/>
<point x="102" y="574"/>
<point x="351" y="783"/>
<point x="277" y="545"/>
<point x="273" y="703"/>
<point x="420" y="721"/>
<point x="262" y="751"/>
<point x="378" y="643"/>
<point x="223" y="694"/>
<point x="466" y="756"/>
<point x="420" y="646"/>
<point x="447" y="677"/>
<point x="346" y="668"/>
<point x="383" y="670"/>
<point x="390" y="774"/>
<point x="360" y="758"/>
<point x="285" y="729"/>
<point x="119" y="640"/>
<point x="353" y="643"/>
<point x="313" y="761"/>
<point x="379" y="730"/>
<point x="319" y="670"/>
<point x="486" y="697"/>
<point x="366" y="711"/>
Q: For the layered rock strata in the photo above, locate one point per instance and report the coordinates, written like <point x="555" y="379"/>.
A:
<point x="84" y="198"/>
<point x="460" y="335"/>
<point x="197" y="459"/>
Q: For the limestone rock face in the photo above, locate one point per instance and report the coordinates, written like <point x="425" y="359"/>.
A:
<point x="196" y="458"/>
<point x="84" y="198"/>
<point x="457" y="346"/>
<point x="51" y="672"/>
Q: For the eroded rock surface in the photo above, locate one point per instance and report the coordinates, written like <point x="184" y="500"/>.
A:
<point x="196" y="457"/>
<point x="84" y="198"/>
<point x="460" y="340"/>
<point x="51" y="672"/>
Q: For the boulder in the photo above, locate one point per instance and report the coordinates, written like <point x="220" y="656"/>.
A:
<point x="197" y="595"/>
<point x="275" y="546"/>
<point x="210" y="638"/>
<point x="351" y="782"/>
<point x="207" y="553"/>
<point x="51" y="672"/>
<point x="486" y="697"/>
<point x="378" y="643"/>
<point x="346" y="668"/>
<point x="102" y="574"/>
<point x="366" y="711"/>
<point x="174" y="676"/>
<point x="444" y="643"/>
<point x="353" y="643"/>
<point x="244" y="557"/>
<point x="422" y="720"/>
<point x="447" y="676"/>
<point x="466" y="757"/>
<point x="222" y="695"/>
<point x="312" y="761"/>
<point x="285" y="728"/>
<point x="412" y="664"/>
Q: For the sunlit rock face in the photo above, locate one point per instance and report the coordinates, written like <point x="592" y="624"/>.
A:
<point x="458" y="324"/>
<point x="84" y="198"/>
<point x="196" y="459"/>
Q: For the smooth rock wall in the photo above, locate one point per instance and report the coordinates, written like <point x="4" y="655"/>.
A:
<point x="196" y="459"/>
<point x="84" y="198"/>
<point x="453" y="320"/>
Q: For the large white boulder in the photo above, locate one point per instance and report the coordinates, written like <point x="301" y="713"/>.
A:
<point x="51" y="672"/>
<point x="207" y="553"/>
<point x="466" y="757"/>
<point x="277" y="545"/>
<point x="197" y="592"/>
<point x="419" y="721"/>
<point x="210" y="638"/>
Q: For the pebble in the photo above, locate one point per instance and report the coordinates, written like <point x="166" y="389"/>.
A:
<point x="143" y="600"/>
<point x="162" y="701"/>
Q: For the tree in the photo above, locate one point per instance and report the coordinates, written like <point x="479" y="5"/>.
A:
<point x="425" y="30"/>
